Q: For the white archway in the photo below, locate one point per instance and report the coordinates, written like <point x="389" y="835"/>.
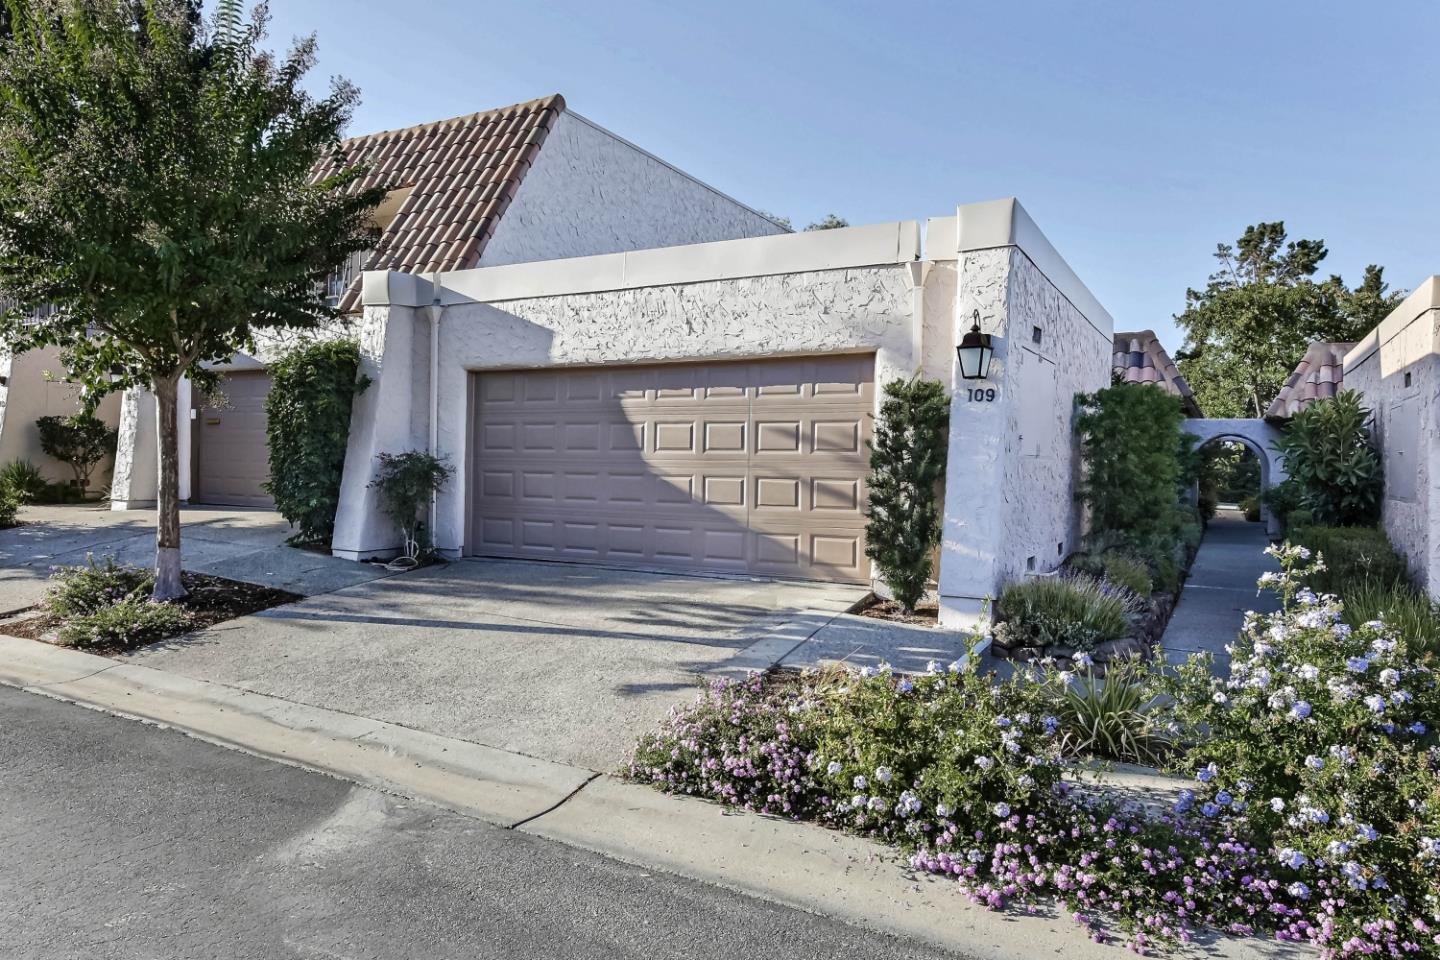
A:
<point x="1260" y="437"/>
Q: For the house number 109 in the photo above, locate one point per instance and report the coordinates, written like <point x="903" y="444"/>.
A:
<point x="980" y="394"/>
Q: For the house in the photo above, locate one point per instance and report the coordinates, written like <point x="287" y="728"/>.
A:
<point x="1139" y="358"/>
<point x="529" y="182"/>
<point x="33" y="385"/>
<point x="706" y="407"/>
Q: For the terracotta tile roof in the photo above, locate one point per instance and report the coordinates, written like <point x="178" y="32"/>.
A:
<point x="461" y="175"/>
<point x="1139" y="358"/>
<point x="1320" y="374"/>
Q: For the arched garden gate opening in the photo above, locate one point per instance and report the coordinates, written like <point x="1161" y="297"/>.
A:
<point x="1259" y="436"/>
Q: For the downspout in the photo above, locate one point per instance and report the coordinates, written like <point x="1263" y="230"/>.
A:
<point x="435" y="311"/>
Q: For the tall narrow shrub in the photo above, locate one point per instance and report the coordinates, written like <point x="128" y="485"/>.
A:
<point x="907" y="462"/>
<point x="1330" y="454"/>
<point x="308" y="424"/>
<point x="1130" y="440"/>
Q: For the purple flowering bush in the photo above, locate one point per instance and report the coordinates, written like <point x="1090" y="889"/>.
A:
<point x="1319" y="743"/>
<point x="964" y="772"/>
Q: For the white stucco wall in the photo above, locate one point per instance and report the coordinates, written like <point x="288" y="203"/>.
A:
<point x="593" y="192"/>
<point x="1406" y="345"/>
<point x="813" y="312"/>
<point x="35" y="388"/>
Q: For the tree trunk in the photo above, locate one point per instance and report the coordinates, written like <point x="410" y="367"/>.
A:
<point x="167" y="500"/>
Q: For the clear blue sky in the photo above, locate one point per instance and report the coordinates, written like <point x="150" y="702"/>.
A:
<point x="1138" y="134"/>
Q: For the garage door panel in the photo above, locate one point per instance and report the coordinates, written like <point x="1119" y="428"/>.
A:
<point x="232" y="456"/>
<point x="743" y="466"/>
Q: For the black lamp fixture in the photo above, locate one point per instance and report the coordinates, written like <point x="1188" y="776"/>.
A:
<point x="975" y="352"/>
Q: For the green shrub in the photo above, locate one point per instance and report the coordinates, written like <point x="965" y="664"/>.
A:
<point x="406" y="482"/>
<point x="1077" y="610"/>
<point x="1114" y="718"/>
<point x="1284" y="500"/>
<point x="1250" y="507"/>
<point x="1407" y="611"/>
<point x="1353" y="556"/>
<point x="1332" y="458"/>
<point x="130" y="622"/>
<point x="24" y="480"/>
<point x="81" y="591"/>
<point x="1131" y="442"/>
<point x="80" y="440"/>
<point x="907" y="463"/>
<point x="308" y="425"/>
<point x="1126" y="571"/>
<point x="9" y="508"/>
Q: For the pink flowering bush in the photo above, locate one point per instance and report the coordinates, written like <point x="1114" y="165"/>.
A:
<point x="1319" y="744"/>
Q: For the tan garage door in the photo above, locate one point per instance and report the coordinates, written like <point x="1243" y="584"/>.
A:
<point x="746" y="467"/>
<point x="232" y="455"/>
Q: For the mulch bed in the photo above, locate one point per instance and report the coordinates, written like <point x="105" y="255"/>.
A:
<point x="925" y="615"/>
<point x="211" y="600"/>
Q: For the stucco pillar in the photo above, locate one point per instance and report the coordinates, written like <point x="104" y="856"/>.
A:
<point x="137" y="452"/>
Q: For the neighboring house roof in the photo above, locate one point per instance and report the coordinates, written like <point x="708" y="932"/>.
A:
<point x="460" y="175"/>
<point x="1320" y="374"/>
<point x="1139" y="358"/>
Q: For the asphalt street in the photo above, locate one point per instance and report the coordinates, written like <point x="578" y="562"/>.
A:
<point x="122" y="840"/>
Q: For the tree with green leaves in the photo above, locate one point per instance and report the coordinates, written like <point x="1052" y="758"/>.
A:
<point x="1135" y="460"/>
<point x="80" y="440"/>
<point x="1332" y="459"/>
<point x="1250" y="326"/>
<point x="156" y="187"/>
<point x="830" y="221"/>
<point x="907" y="462"/>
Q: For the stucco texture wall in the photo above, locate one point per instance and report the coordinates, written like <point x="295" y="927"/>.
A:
<point x="839" y="311"/>
<point x="591" y="192"/>
<point x="1407" y="426"/>
<point x="35" y="389"/>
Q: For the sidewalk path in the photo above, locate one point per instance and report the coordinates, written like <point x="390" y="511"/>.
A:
<point x="1220" y="589"/>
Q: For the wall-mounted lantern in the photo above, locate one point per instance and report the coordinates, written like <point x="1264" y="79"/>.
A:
<point x="975" y="352"/>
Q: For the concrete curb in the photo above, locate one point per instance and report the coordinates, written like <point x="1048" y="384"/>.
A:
<point x="799" y="865"/>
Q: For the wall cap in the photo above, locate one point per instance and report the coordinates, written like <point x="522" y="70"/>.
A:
<point x="1422" y="299"/>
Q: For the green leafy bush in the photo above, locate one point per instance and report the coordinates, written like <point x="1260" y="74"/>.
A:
<point x="907" y="463"/>
<point x="1077" y="610"/>
<point x="1131" y="442"/>
<point x="1331" y="456"/>
<point x="23" y="479"/>
<point x="131" y="622"/>
<point x="1353" y="556"/>
<point x="308" y="425"/>
<point x="1250" y="507"/>
<point x="80" y="440"/>
<point x="1286" y="502"/>
<point x="1319" y="746"/>
<point x="84" y="590"/>
<point x="1115" y="717"/>
<point x="1126" y="571"/>
<point x="1404" y="609"/>
<point x="9" y="508"/>
<point x="406" y="482"/>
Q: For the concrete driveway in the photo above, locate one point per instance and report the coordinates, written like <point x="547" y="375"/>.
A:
<point x="559" y="661"/>
<point x="224" y="541"/>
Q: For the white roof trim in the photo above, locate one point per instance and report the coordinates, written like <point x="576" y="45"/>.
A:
<point x="1421" y="300"/>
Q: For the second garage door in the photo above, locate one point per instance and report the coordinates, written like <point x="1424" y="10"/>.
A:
<point x="745" y="467"/>
<point x="232" y="451"/>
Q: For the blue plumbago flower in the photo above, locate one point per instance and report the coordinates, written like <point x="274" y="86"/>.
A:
<point x="908" y="805"/>
<point x="858" y="801"/>
<point x="1399" y="697"/>
<point x="943" y="809"/>
<point x="867" y="672"/>
<point x="956" y="666"/>
<point x="1389" y="676"/>
<point x="984" y="763"/>
<point x="1375" y="702"/>
<point x="1344" y="754"/>
<point x="1239" y="806"/>
<point x="1293" y="858"/>
<point x="1051" y="724"/>
<point x="1429" y="848"/>
<point x="1417" y="728"/>
<point x="1317" y="815"/>
<point x="834" y="767"/>
<point x="1337" y="848"/>
<point x="1002" y="721"/>
<point x="1220" y="698"/>
<point x="1002" y="809"/>
<point x="861" y="782"/>
<point x="1223" y="798"/>
<point x="1210" y="809"/>
<point x="1277" y="804"/>
<point x="883" y="774"/>
<point x="1314" y="762"/>
<point x="878" y="804"/>
<point x="933" y="666"/>
<point x="1084" y="661"/>
<point x="1357" y="664"/>
<point x="1308" y="671"/>
<point x="904" y="686"/>
<point x="1355" y="874"/>
<point x="1206" y="773"/>
<point x="1300" y="710"/>
<point x="1299" y="891"/>
<point x="1025" y="781"/>
<point x="1366" y="833"/>
<point x="1185" y="801"/>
